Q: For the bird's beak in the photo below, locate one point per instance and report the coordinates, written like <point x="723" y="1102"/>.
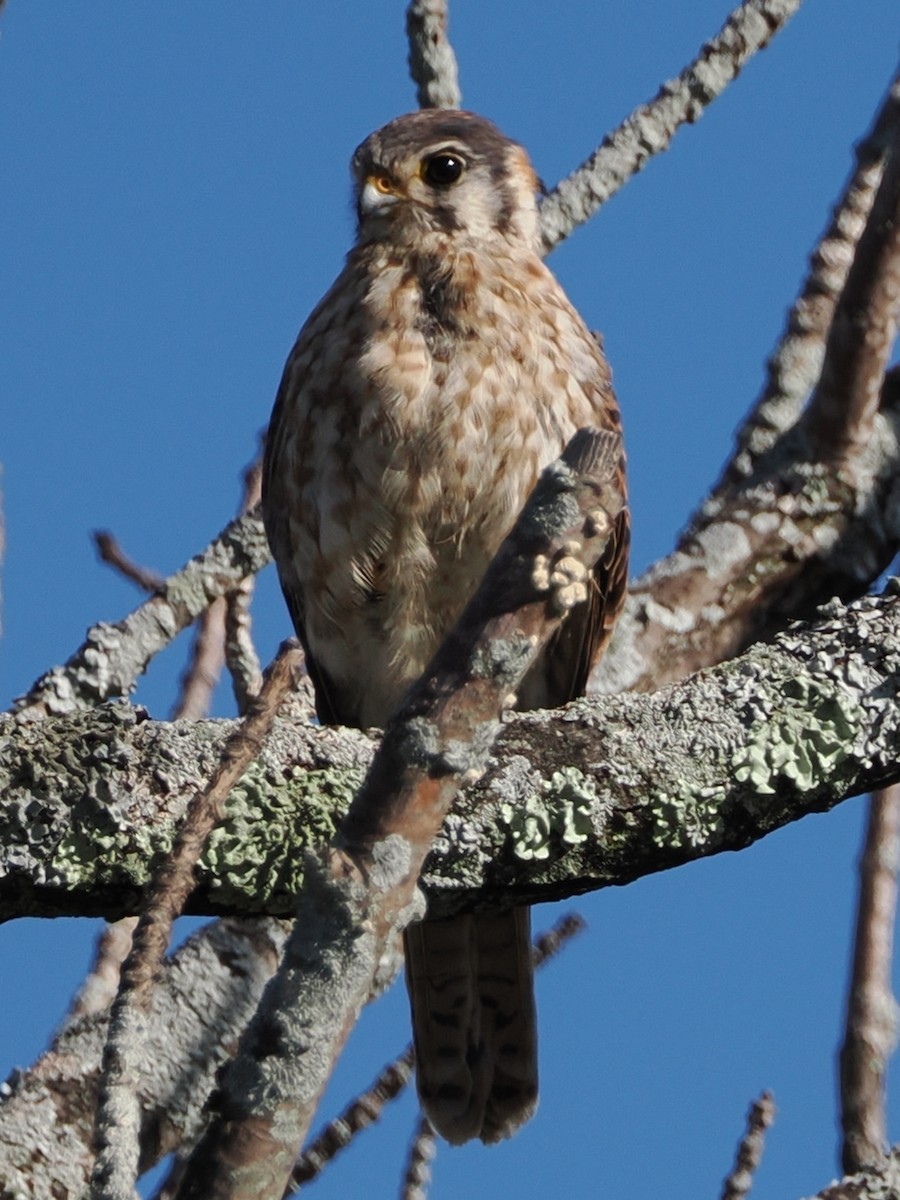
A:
<point x="377" y="193"/>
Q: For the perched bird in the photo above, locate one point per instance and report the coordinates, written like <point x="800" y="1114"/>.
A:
<point x="441" y="373"/>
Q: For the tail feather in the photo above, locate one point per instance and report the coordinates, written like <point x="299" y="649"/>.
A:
<point x="474" y="1023"/>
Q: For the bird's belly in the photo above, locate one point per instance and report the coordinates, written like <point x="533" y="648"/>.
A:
<point x="402" y="537"/>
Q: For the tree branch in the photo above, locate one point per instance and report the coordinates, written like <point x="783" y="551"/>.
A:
<point x="647" y="781"/>
<point x="795" y="364"/>
<point x="432" y="63"/>
<point x="651" y="127"/>
<point x="362" y="892"/>
<point x="871" y="1023"/>
<point x="118" y="1114"/>
<point x="112" y="657"/>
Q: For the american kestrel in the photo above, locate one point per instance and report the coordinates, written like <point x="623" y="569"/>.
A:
<point x="441" y="373"/>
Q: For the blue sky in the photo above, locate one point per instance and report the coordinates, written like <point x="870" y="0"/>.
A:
<point x="174" y="201"/>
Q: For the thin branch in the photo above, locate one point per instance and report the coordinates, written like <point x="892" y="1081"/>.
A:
<point x="432" y="63"/>
<point x="118" y="1117"/>
<point x="111" y="553"/>
<point x="363" y="890"/>
<point x="651" y="127"/>
<point x="796" y="363"/>
<point x="842" y="410"/>
<point x="112" y="657"/>
<point x="99" y="988"/>
<point x="417" y="1173"/>
<point x="871" y="1021"/>
<point x="201" y="673"/>
<point x="750" y="1150"/>
<point x="240" y="653"/>
<point x="367" y="1108"/>
<point x="362" y="1112"/>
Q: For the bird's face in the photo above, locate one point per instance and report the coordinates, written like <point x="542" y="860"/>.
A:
<point x="447" y="172"/>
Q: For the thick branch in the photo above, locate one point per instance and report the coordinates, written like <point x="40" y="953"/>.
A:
<point x="212" y="985"/>
<point x="647" y="781"/>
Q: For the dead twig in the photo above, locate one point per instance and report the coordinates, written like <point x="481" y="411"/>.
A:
<point x="750" y="1149"/>
<point x="417" y="1173"/>
<point x="112" y="657"/>
<point x="111" y="553"/>
<point x="796" y="362"/>
<point x="841" y="414"/>
<point x="871" y="1021"/>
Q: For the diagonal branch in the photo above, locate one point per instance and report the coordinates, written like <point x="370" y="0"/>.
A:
<point x="840" y="420"/>
<point x="795" y="365"/>
<point x="363" y="890"/>
<point x="651" y="127"/>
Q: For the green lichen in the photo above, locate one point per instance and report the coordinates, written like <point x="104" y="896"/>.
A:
<point x="799" y="742"/>
<point x="271" y="819"/>
<point x="560" y="816"/>
<point x="687" y="818"/>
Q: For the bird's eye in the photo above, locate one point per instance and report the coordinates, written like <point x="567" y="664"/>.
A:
<point x="441" y="170"/>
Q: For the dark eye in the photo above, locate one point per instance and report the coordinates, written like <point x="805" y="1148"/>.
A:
<point x="442" y="169"/>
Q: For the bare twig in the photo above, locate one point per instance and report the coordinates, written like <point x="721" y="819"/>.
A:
<point x="367" y="1108"/>
<point x="102" y="982"/>
<point x="796" y="363"/>
<point x="111" y="553"/>
<point x="201" y="673"/>
<point x="118" y="1118"/>
<point x="240" y="653"/>
<point x="417" y="1173"/>
<point x="842" y="410"/>
<point x="651" y="127"/>
<point x="432" y="63"/>
<point x="750" y="1150"/>
<point x="871" y="1022"/>
<point x="362" y="1112"/>
<point x="367" y="880"/>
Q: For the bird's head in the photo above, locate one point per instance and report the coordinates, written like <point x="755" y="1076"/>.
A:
<point x="448" y="172"/>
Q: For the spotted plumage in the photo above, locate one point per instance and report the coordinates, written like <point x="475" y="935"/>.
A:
<point x="439" y="375"/>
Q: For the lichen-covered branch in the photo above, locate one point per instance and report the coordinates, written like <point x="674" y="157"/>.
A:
<point x="112" y="656"/>
<point x="603" y="792"/>
<point x="651" y="127"/>
<point x="807" y="508"/>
